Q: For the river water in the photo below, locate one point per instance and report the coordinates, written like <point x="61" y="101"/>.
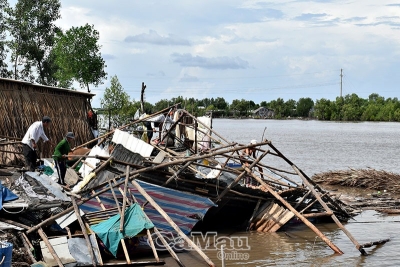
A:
<point x="314" y="147"/>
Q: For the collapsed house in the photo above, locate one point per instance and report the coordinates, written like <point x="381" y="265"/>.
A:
<point x="127" y="195"/>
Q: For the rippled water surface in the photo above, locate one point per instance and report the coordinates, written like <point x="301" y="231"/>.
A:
<point x="316" y="147"/>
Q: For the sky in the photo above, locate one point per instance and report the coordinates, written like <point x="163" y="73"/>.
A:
<point x="242" y="49"/>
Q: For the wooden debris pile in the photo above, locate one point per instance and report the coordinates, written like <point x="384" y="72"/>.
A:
<point x="200" y="164"/>
<point x="363" y="178"/>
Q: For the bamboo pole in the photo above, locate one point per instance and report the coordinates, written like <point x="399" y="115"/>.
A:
<point x="312" y="203"/>
<point x="302" y="199"/>
<point x="124" y="248"/>
<point x="153" y="248"/>
<point x="327" y="209"/>
<point x="15" y="223"/>
<point x="178" y="172"/>
<point x="99" y="201"/>
<point x="179" y="161"/>
<point x="298" y="215"/>
<point x="240" y="176"/>
<point x="50" y="247"/>
<point x="85" y="234"/>
<point x="172" y="126"/>
<point x="167" y="246"/>
<point x="169" y="220"/>
<point x="68" y="231"/>
<point x="237" y="159"/>
<point x="208" y="128"/>
<point x="304" y="176"/>
<point x="320" y="214"/>
<point x="121" y="226"/>
<point x="27" y="248"/>
<point x="124" y="126"/>
<point x="66" y="211"/>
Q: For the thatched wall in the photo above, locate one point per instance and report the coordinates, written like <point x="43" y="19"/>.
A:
<point x="23" y="103"/>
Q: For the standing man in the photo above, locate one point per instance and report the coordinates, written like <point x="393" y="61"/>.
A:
<point x="29" y="142"/>
<point x="60" y="156"/>
<point x="158" y="121"/>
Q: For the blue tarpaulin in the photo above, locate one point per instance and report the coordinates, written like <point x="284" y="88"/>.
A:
<point x="6" y="195"/>
<point x="185" y="209"/>
<point x="134" y="222"/>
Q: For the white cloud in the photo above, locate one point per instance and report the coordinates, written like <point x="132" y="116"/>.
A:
<point x="255" y="49"/>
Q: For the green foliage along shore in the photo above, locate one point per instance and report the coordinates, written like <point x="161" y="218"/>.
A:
<point x="347" y="108"/>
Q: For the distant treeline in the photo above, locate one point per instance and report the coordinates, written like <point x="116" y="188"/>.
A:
<point x="347" y="108"/>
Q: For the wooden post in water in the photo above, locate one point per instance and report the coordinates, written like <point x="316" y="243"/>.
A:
<point x="327" y="209"/>
<point x="298" y="215"/>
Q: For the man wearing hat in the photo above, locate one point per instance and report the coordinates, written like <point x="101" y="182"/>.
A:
<point x="30" y="140"/>
<point x="60" y="156"/>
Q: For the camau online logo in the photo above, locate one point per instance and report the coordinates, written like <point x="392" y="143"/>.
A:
<point x="227" y="247"/>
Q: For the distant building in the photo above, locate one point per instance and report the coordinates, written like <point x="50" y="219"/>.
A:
<point x="264" y="113"/>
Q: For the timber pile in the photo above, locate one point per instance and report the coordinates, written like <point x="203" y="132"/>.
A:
<point x="362" y="178"/>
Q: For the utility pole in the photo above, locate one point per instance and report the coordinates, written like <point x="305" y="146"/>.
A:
<point x="341" y="82"/>
<point x="142" y="97"/>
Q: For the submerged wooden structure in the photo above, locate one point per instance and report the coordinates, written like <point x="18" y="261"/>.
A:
<point x="23" y="103"/>
<point x="246" y="193"/>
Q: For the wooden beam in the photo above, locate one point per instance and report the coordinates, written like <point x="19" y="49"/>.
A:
<point x="298" y="215"/>
<point x="169" y="220"/>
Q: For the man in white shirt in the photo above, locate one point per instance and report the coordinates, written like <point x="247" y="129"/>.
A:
<point x="158" y="121"/>
<point x="30" y="140"/>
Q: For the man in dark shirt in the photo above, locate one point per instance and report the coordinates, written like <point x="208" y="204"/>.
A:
<point x="60" y="156"/>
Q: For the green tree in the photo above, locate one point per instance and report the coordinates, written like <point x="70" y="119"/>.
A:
<point x="278" y="106"/>
<point x="337" y="109"/>
<point x="304" y="106"/>
<point x="116" y="103"/>
<point x="352" y="108"/>
<point x="240" y="106"/>
<point x="78" y="57"/>
<point x="162" y="104"/>
<point x="388" y="109"/>
<point x="290" y="108"/>
<point x="220" y="103"/>
<point x="372" y="108"/>
<point x="210" y="107"/>
<point x="4" y="72"/>
<point x="396" y="115"/>
<point x="32" y="28"/>
<point x="323" y="109"/>
<point x="370" y="113"/>
<point x="376" y="98"/>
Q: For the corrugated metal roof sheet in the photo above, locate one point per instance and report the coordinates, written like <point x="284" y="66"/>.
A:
<point x="132" y="143"/>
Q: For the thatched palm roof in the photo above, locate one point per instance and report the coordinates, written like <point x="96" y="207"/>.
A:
<point x="23" y="103"/>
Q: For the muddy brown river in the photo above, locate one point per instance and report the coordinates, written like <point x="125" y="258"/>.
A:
<point x="314" y="147"/>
